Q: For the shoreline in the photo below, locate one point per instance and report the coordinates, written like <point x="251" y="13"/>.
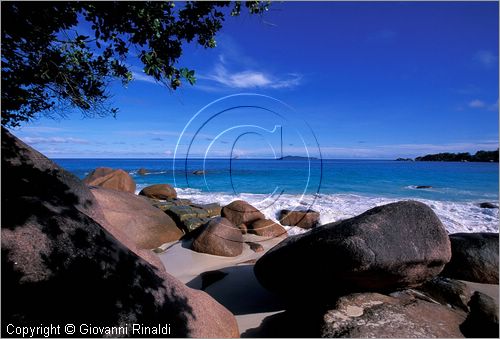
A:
<point x="456" y="216"/>
<point x="131" y="242"/>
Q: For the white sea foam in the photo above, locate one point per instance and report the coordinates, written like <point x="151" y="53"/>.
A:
<point x="136" y="172"/>
<point x="456" y="216"/>
<point x="451" y="191"/>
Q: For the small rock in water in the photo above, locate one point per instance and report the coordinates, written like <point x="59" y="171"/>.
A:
<point x="487" y="205"/>
<point x="142" y="171"/>
<point x="423" y="187"/>
<point x="303" y="219"/>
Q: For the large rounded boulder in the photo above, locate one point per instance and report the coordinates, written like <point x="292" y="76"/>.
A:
<point x="474" y="257"/>
<point x="219" y="237"/>
<point x="241" y="212"/>
<point x="159" y="191"/>
<point x="267" y="228"/>
<point x="393" y="246"/>
<point x="23" y="161"/>
<point x="109" y="178"/>
<point x="147" y="226"/>
<point x="60" y="266"/>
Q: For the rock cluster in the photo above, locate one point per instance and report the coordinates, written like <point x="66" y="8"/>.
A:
<point x="394" y="246"/>
<point x="392" y="271"/>
<point x="60" y="265"/>
<point x="378" y="275"/>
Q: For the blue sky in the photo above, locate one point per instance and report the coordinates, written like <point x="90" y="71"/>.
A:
<point x="371" y="80"/>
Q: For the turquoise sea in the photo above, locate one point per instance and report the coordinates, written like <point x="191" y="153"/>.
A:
<point x="337" y="188"/>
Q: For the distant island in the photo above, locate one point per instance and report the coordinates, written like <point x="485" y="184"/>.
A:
<point x="295" y="157"/>
<point x="479" y="156"/>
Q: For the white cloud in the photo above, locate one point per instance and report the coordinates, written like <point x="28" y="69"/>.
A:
<point x="251" y="79"/>
<point x="141" y="76"/>
<point x="477" y="104"/>
<point x="40" y="129"/>
<point x="53" y="140"/>
<point x="160" y="134"/>
<point x="482" y="104"/>
<point x="486" y="58"/>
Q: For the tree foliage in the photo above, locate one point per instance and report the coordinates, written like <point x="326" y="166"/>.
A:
<point x="48" y="65"/>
